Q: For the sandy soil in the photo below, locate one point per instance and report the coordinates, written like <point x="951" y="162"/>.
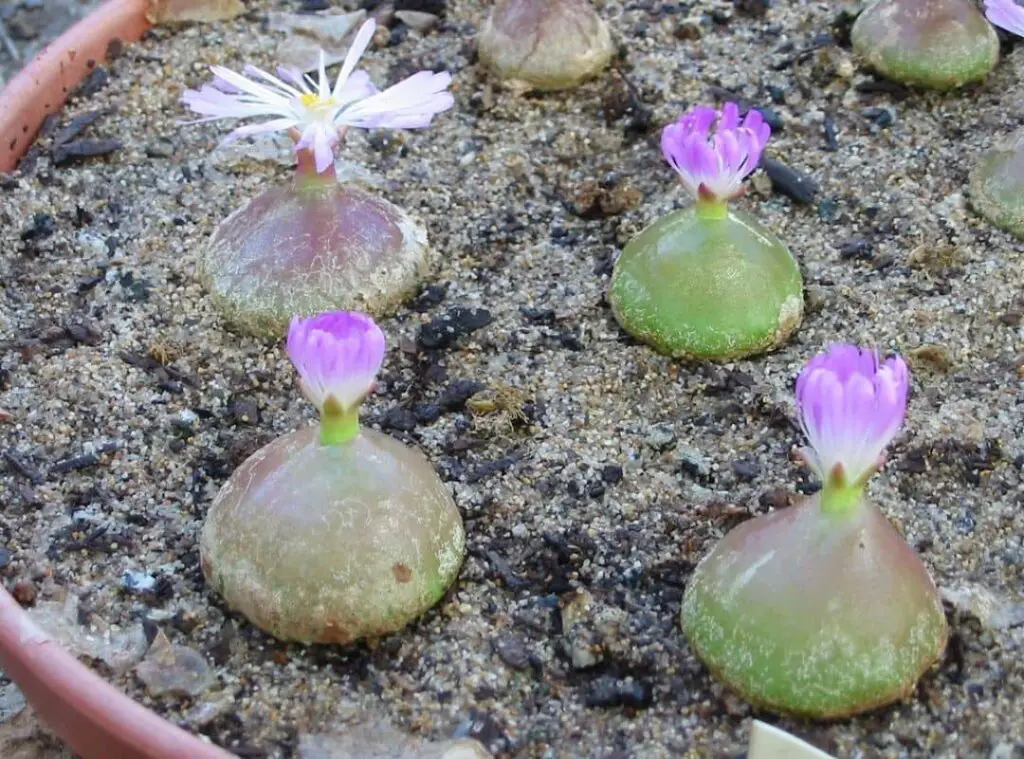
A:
<point x="610" y="472"/>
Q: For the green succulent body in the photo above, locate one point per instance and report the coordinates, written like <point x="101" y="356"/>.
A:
<point x="997" y="185"/>
<point x="939" y="44"/>
<point x="815" y="614"/>
<point x="332" y="543"/>
<point x="698" y="286"/>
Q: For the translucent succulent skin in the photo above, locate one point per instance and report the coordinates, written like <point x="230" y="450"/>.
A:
<point x="331" y="544"/>
<point x="939" y="44"/>
<point x="711" y="288"/>
<point x="813" y="614"/>
<point x="309" y="246"/>
<point x="546" y="44"/>
<point x="997" y="185"/>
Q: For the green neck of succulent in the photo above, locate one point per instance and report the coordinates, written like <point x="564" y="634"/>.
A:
<point x="711" y="209"/>
<point x="841" y="501"/>
<point x="337" y="425"/>
<point x="841" y="497"/>
<point x="306" y="173"/>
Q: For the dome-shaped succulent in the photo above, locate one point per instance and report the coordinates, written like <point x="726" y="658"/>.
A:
<point x="709" y="281"/>
<point x="312" y="245"/>
<point x="822" y="609"/>
<point x="545" y="44"/>
<point x="997" y="185"/>
<point x="315" y="245"/>
<point x="331" y="533"/>
<point x="931" y="43"/>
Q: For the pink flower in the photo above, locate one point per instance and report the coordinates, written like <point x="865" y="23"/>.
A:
<point x="851" y="407"/>
<point x="1007" y="14"/>
<point x="318" y="112"/>
<point x="713" y="166"/>
<point x="337" y="356"/>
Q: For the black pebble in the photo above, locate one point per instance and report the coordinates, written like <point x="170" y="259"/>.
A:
<point x="67" y="152"/>
<point x="311" y="6"/>
<point x="442" y="332"/>
<point x="611" y="473"/>
<point x="430" y="296"/>
<point x="98" y="79"/>
<point x="606" y="692"/>
<point x="746" y="469"/>
<point x="454" y="397"/>
<point x="244" y="411"/>
<point x="42" y="226"/>
<point x="883" y="117"/>
<point x="398" y="418"/>
<point x="790" y="182"/>
<point x="427" y="413"/>
<point x="855" y="247"/>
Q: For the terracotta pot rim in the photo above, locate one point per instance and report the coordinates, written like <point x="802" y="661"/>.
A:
<point x="41" y="88"/>
<point x="94" y="718"/>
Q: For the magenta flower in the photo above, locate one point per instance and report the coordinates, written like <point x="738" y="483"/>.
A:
<point x="337" y="356"/>
<point x="851" y="407"/>
<point x="713" y="166"/>
<point x="317" y="112"/>
<point x="1006" y="14"/>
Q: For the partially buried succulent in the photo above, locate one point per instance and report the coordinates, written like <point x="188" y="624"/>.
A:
<point x="938" y="44"/>
<point x="821" y="609"/>
<point x="997" y="180"/>
<point x="333" y="533"/>
<point x="545" y="44"/>
<point x="709" y="281"/>
<point x="316" y="244"/>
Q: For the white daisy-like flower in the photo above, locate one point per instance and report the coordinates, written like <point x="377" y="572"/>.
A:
<point x="314" y="110"/>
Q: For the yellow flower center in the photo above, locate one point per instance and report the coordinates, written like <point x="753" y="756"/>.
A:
<point x="319" y="106"/>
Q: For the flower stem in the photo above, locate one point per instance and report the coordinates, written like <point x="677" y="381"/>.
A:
<point x="708" y="209"/>
<point x="840" y="500"/>
<point x="336" y="429"/>
<point x="306" y="169"/>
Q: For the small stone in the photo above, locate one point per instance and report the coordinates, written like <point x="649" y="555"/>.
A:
<point x="789" y="181"/>
<point x="690" y="28"/>
<point x="692" y="462"/>
<point x="5" y="557"/>
<point x="398" y="418"/>
<point x="138" y="582"/>
<point x="24" y="592"/>
<point x="173" y="670"/>
<point x="855" y="247"/>
<point x="160" y="149"/>
<point x="76" y="150"/>
<point x="445" y="330"/>
<point x="421" y="22"/>
<point x="609" y="692"/>
<point x="611" y="474"/>
<point x="989" y="608"/>
<point x="244" y="411"/>
<point x="661" y="436"/>
<point x="511" y="650"/>
<point x="746" y="469"/>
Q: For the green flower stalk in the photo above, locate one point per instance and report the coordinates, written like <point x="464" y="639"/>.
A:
<point x="822" y="610"/>
<point x="314" y="244"/>
<point x="709" y="281"/>
<point x="333" y="533"/>
<point x="939" y="44"/>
